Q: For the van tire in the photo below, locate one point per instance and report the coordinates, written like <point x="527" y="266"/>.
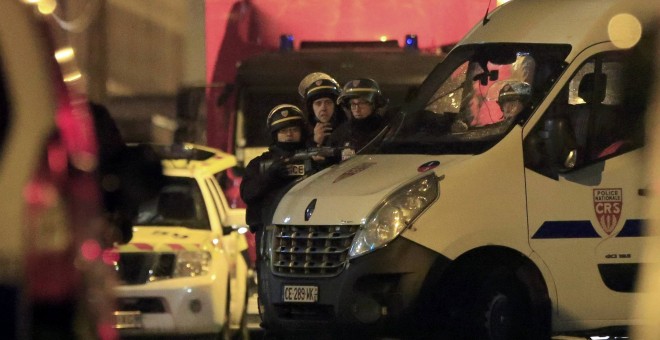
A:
<point x="503" y="306"/>
<point x="490" y="302"/>
<point x="497" y="308"/>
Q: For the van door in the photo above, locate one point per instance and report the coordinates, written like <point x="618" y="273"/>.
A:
<point x="585" y="183"/>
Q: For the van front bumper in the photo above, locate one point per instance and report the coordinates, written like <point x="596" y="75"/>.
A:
<point x="377" y="293"/>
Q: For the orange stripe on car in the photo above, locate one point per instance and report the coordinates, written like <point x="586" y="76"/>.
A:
<point x="177" y="247"/>
<point x="143" y="246"/>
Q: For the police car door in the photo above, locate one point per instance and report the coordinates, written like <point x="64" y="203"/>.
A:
<point x="583" y="162"/>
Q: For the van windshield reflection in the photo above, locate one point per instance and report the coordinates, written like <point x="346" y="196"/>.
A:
<point x="474" y="97"/>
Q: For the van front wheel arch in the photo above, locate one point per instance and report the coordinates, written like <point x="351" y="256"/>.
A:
<point x="501" y="309"/>
<point x="488" y="298"/>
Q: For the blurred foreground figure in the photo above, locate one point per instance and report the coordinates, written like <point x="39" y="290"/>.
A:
<point x="128" y="176"/>
<point x="646" y="62"/>
<point x="55" y="278"/>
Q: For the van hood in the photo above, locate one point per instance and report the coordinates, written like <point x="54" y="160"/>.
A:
<point x="163" y="239"/>
<point x="360" y="183"/>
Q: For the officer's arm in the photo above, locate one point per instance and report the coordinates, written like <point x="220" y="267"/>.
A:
<point x="255" y="183"/>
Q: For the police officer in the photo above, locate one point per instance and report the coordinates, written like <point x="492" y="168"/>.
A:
<point x="265" y="175"/>
<point x="513" y="98"/>
<point x="319" y="92"/>
<point x="363" y="99"/>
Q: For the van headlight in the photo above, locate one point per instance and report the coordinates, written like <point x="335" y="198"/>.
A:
<point x="395" y="214"/>
<point x="192" y="263"/>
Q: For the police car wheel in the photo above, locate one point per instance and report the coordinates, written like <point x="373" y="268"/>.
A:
<point x="225" y="333"/>
<point x="243" y="332"/>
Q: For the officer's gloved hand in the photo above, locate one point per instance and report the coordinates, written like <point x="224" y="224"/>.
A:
<point x="278" y="169"/>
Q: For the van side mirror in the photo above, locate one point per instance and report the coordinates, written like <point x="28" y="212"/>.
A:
<point x="226" y="92"/>
<point x="559" y="142"/>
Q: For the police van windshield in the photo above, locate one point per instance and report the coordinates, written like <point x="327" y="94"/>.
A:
<point x="474" y="97"/>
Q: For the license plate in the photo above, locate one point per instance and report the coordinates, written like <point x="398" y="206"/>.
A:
<point x="301" y="293"/>
<point x="125" y="320"/>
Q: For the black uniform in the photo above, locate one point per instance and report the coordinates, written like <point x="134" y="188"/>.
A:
<point x="266" y="179"/>
<point x="357" y="133"/>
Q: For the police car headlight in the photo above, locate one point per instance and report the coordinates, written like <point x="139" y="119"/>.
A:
<point x="192" y="263"/>
<point x="396" y="213"/>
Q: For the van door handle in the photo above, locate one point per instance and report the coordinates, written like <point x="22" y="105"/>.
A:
<point x="642" y="192"/>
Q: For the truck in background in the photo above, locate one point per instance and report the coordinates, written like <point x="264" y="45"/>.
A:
<point x="267" y="45"/>
<point x="472" y="222"/>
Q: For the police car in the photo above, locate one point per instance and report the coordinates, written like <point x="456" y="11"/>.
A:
<point x="185" y="270"/>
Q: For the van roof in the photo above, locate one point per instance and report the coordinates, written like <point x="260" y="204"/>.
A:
<point x="578" y="23"/>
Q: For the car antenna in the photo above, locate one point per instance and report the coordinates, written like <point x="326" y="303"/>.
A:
<point x="486" y="20"/>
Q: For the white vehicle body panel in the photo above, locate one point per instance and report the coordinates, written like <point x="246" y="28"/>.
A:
<point x="360" y="183"/>
<point x="486" y="193"/>
<point x="580" y="24"/>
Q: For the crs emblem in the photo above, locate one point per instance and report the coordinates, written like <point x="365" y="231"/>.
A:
<point x="607" y="206"/>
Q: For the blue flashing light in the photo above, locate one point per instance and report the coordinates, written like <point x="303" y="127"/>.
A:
<point x="411" y="42"/>
<point x="286" y="42"/>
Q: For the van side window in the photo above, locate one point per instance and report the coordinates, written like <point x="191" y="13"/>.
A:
<point x="588" y="121"/>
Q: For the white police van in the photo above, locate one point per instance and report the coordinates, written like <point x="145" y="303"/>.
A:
<point x="474" y="220"/>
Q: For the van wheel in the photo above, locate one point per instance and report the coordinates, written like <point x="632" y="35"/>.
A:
<point x="501" y="308"/>
<point x="485" y="303"/>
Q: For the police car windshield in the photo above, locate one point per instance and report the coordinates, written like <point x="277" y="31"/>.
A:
<point x="179" y="204"/>
<point x="474" y="97"/>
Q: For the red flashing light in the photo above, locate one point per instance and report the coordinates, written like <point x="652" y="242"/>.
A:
<point x="110" y="256"/>
<point x="90" y="250"/>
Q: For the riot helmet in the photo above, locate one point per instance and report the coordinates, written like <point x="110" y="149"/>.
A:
<point x="306" y="83"/>
<point x="515" y="90"/>
<point x="315" y="86"/>
<point x="365" y="88"/>
<point x="513" y="98"/>
<point x="282" y="116"/>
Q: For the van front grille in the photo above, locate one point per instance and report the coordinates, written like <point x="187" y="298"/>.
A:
<point x="311" y="250"/>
